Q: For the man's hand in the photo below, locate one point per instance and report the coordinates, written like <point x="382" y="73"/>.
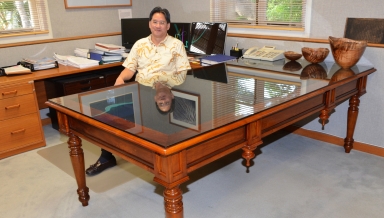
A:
<point x="119" y="81"/>
<point x="126" y="74"/>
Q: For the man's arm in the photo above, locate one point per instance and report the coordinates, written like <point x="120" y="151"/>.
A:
<point x="126" y="74"/>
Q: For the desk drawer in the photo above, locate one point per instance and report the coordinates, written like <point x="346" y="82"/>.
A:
<point x="20" y="131"/>
<point x="15" y="90"/>
<point x="18" y="106"/>
<point x="84" y="85"/>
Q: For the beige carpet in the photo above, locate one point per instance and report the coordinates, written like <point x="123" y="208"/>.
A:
<point x="58" y="155"/>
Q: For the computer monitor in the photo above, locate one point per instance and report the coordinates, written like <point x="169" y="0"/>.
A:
<point x="216" y="72"/>
<point x="133" y="29"/>
<point x="181" y="31"/>
<point x="208" y="38"/>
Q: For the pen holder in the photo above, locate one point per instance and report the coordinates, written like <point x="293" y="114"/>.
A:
<point x="236" y="53"/>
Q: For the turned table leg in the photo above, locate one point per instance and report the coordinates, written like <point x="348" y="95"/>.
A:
<point x="77" y="159"/>
<point x="173" y="202"/>
<point x="353" y="111"/>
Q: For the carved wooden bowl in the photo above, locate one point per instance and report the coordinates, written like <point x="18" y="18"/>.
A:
<point x="315" y="55"/>
<point x="346" y="52"/>
<point x="291" y="55"/>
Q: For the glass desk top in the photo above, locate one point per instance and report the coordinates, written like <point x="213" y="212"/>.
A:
<point x="212" y="97"/>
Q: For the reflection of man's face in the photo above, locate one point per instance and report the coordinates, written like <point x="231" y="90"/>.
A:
<point x="163" y="99"/>
<point x="158" y="25"/>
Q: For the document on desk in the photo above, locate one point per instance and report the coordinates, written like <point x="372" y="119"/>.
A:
<point x="17" y="69"/>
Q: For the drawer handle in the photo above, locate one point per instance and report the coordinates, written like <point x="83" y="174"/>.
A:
<point x="12" y="106"/>
<point x="10" y="93"/>
<point x="86" y="88"/>
<point x="85" y="82"/>
<point x="18" y="131"/>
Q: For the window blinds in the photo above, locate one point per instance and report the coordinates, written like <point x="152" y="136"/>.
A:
<point x="286" y="13"/>
<point x="18" y="16"/>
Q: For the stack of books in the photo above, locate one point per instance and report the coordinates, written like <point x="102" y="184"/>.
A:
<point x="104" y="57"/>
<point x="40" y="64"/>
<point x="110" y="48"/>
<point x="106" y="53"/>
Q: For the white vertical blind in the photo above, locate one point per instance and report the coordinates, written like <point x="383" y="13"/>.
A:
<point x="286" y="13"/>
<point x="23" y="16"/>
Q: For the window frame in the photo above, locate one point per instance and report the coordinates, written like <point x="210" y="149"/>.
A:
<point x="24" y="36"/>
<point x="272" y="30"/>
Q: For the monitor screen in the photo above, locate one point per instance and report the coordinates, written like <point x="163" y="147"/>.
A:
<point x="181" y="31"/>
<point x="208" y="38"/>
<point x="216" y="72"/>
<point x="133" y="29"/>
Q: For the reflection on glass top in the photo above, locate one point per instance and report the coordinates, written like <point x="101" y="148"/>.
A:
<point x="203" y="102"/>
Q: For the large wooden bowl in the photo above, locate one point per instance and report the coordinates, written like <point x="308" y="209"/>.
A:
<point x="315" y="55"/>
<point x="346" y="52"/>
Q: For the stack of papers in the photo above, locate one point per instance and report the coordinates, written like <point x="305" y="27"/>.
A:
<point x="74" y="61"/>
<point x="62" y="59"/>
<point x="110" y="48"/>
<point x="81" y="52"/>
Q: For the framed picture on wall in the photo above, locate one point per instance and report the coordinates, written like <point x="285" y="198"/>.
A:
<point x="116" y="106"/>
<point x="96" y="3"/>
<point x="187" y="110"/>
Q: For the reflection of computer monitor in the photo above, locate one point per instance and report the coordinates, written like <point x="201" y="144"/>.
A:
<point x="133" y="29"/>
<point x="208" y="38"/>
<point x="216" y="72"/>
<point x="181" y="31"/>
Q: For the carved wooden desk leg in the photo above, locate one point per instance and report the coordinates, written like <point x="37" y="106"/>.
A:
<point x="77" y="159"/>
<point x="253" y="140"/>
<point x="170" y="172"/>
<point x="173" y="202"/>
<point x="353" y="111"/>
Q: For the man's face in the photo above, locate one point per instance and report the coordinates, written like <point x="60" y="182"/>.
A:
<point x="158" y="25"/>
<point x="164" y="100"/>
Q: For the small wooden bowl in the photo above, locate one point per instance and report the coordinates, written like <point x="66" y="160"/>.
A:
<point x="315" y="55"/>
<point x="291" y="55"/>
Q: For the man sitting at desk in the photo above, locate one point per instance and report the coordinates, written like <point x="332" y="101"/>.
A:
<point x="160" y="61"/>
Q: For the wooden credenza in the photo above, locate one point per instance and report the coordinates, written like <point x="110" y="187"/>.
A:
<point x="21" y="98"/>
<point x="20" y="125"/>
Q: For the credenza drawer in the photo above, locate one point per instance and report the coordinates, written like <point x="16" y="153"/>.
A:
<point x="20" y="131"/>
<point x="18" y="106"/>
<point x="15" y="90"/>
<point x="84" y="85"/>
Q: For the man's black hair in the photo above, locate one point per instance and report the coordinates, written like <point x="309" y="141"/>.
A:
<point x="170" y="109"/>
<point x="164" y="11"/>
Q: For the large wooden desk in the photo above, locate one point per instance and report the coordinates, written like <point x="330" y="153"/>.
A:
<point x="231" y="116"/>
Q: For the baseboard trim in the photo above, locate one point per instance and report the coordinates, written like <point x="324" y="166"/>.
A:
<point x="359" y="146"/>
